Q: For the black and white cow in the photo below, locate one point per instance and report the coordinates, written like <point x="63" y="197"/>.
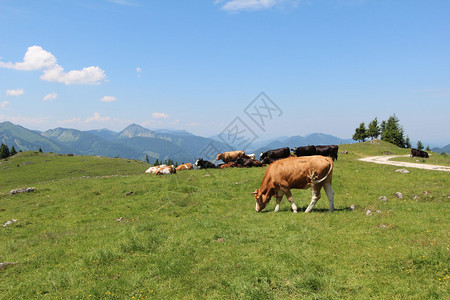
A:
<point x="204" y="164"/>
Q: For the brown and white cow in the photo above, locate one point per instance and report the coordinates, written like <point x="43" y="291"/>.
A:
<point x="296" y="173"/>
<point x="154" y="169"/>
<point x="227" y="165"/>
<point x="186" y="166"/>
<point x="230" y="156"/>
<point x="166" y="170"/>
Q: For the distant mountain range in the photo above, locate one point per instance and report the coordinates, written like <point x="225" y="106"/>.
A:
<point x="137" y="142"/>
<point x="445" y="149"/>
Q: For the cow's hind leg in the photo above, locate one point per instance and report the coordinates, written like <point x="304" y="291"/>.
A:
<point x="279" y="198"/>
<point x="315" y="198"/>
<point x="330" y="194"/>
<point x="291" y="200"/>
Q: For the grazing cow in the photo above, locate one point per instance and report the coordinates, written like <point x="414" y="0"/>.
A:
<point x="166" y="170"/>
<point x="204" y="164"/>
<point x="248" y="163"/>
<point x="418" y="153"/>
<point x="154" y="169"/>
<point x="296" y="173"/>
<point x="305" y="151"/>
<point x="273" y="155"/>
<point x="187" y="166"/>
<point x="330" y="150"/>
<point x="230" y="156"/>
<point x="228" y="165"/>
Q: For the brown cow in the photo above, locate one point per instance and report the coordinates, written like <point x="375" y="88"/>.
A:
<point x="296" y="173"/>
<point x="228" y="165"/>
<point x="230" y="156"/>
<point x="186" y="166"/>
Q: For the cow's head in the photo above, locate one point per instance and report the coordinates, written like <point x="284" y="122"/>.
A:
<point x="219" y="156"/>
<point x="198" y="161"/>
<point x="261" y="200"/>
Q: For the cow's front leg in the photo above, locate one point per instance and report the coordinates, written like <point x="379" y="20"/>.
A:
<point x="279" y="198"/>
<point x="315" y="198"/>
<point x="291" y="200"/>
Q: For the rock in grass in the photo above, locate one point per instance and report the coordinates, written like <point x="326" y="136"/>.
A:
<point x="383" y="198"/>
<point x="352" y="207"/>
<point x="19" y="191"/>
<point x="399" y="195"/>
<point x="403" y="171"/>
<point x="368" y="212"/>
<point x="9" y="222"/>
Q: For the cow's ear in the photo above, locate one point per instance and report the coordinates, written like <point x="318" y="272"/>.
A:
<point x="254" y="193"/>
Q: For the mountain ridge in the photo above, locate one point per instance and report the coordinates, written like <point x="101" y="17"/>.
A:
<point x="137" y="142"/>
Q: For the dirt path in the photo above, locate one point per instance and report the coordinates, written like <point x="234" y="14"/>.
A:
<point x="385" y="160"/>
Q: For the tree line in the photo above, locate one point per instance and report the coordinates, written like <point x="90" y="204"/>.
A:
<point x="5" y="152"/>
<point x="390" y="131"/>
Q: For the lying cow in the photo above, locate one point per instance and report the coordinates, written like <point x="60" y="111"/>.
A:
<point x="419" y="153"/>
<point x="275" y="154"/>
<point x="186" y="166"/>
<point x="305" y="150"/>
<point x="248" y="163"/>
<point x="296" y="173"/>
<point x="227" y="165"/>
<point x="204" y="164"/>
<point x="166" y="170"/>
<point x="230" y="156"/>
<point x="154" y="169"/>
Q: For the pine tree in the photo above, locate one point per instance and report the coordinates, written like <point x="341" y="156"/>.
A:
<point x="373" y="130"/>
<point x="419" y="145"/>
<point x="156" y="163"/>
<point x="40" y="150"/>
<point x="4" y="151"/>
<point x="393" y="132"/>
<point x="13" y="151"/>
<point x="407" y="142"/>
<point x="147" y="159"/>
<point x="427" y="148"/>
<point x="360" y="133"/>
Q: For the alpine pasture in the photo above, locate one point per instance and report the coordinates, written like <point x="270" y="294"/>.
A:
<point x="100" y="228"/>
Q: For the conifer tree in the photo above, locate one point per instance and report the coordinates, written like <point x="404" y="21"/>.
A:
<point x="419" y="145"/>
<point x="407" y="142"/>
<point x="4" y="151"/>
<point x="393" y="132"/>
<point x="373" y="130"/>
<point x="360" y="133"/>
<point x="13" y="151"/>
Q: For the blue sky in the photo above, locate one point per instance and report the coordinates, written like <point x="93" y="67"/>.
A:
<point x="196" y="65"/>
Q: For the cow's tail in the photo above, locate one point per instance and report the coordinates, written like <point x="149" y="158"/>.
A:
<point x="313" y="176"/>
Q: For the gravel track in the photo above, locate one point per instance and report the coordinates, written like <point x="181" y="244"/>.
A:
<point x="385" y="160"/>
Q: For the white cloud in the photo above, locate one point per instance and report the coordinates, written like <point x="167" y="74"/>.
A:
<point x="37" y="58"/>
<point x="139" y="71"/>
<point x="237" y="5"/>
<point x="70" y="121"/>
<point x="15" y="93"/>
<point x="50" y="96"/>
<point x="157" y="115"/>
<point x="97" y="118"/>
<point x="4" y="104"/>
<point x="89" y="75"/>
<point x="108" y="99"/>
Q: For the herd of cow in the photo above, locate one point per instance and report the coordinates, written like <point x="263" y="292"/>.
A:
<point x="240" y="159"/>
<point x="304" y="167"/>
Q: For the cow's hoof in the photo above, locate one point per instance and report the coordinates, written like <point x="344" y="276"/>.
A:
<point x="295" y="211"/>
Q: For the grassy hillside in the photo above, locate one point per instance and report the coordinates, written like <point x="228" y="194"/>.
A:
<point x="196" y="235"/>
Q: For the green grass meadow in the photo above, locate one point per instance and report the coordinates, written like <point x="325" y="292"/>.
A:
<point x="99" y="228"/>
